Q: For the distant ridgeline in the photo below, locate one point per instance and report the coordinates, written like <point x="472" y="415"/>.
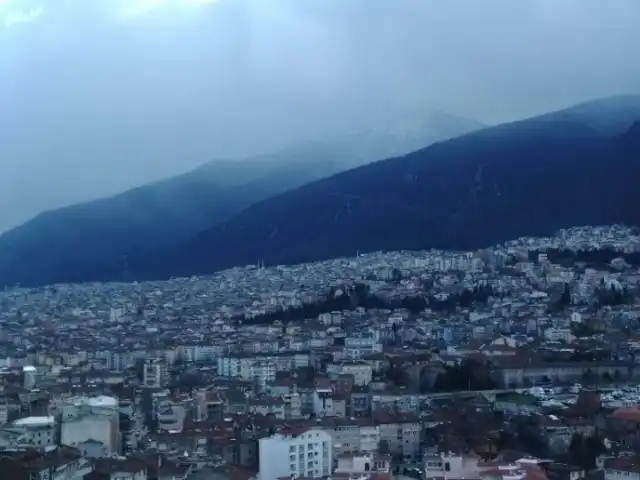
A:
<point x="360" y="294"/>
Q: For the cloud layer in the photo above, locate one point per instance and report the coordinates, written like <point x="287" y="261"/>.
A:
<point x="99" y="96"/>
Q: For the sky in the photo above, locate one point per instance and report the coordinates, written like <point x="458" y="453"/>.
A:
<point x="97" y="96"/>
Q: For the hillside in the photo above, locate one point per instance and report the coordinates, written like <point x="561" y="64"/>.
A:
<point x="525" y="178"/>
<point x="95" y="240"/>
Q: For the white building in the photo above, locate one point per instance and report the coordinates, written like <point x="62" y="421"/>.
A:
<point x="156" y="374"/>
<point x="170" y="416"/>
<point x="90" y="418"/>
<point x="30" y="375"/>
<point x="556" y="334"/>
<point x="354" y="436"/>
<point x="295" y="453"/>
<point x="38" y="431"/>
<point x="363" y="463"/>
<point x="263" y="373"/>
<point x="323" y="402"/>
<point x="229" y="366"/>
<point x="362" y="372"/>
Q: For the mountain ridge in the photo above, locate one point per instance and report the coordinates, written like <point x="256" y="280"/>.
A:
<point x="551" y="170"/>
<point x="91" y="240"/>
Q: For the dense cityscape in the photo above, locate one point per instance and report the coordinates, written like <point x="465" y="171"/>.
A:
<point x="511" y="362"/>
<point x="319" y="240"/>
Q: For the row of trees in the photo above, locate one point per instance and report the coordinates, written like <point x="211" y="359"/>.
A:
<point x="584" y="449"/>
<point x="599" y="257"/>
<point x="605" y="295"/>
<point x="613" y="295"/>
<point x="360" y="295"/>
<point x="469" y="375"/>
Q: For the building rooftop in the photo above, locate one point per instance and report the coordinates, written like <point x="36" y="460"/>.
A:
<point x="34" y="421"/>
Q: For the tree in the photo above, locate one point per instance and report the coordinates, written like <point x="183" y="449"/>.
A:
<point x="565" y="298"/>
<point x="563" y="301"/>
<point x="469" y="375"/>
<point x="397" y="375"/>
<point x="394" y="328"/>
<point x="383" y="447"/>
<point x="584" y="449"/>
<point x="588" y="377"/>
<point x="396" y="275"/>
<point x="427" y="284"/>
<point x="576" y="443"/>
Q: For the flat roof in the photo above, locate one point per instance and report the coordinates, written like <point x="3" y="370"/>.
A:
<point x="34" y="421"/>
<point x="93" y="400"/>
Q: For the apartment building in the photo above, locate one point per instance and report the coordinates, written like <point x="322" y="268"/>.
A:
<point x="304" y="452"/>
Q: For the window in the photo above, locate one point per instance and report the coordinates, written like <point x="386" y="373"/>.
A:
<point x="447" y="467"/>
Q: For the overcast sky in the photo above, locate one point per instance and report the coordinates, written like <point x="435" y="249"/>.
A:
<point x="97" y="96"/>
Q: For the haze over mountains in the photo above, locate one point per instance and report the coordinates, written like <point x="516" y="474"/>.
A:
<point x="577" y="166"/>
<point x="572" y="167"/>
<point x="94" y="240"/>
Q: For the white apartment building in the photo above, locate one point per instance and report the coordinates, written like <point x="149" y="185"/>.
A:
<point x="262" y="373"/>
<point x="229" y="367"/>
<point x="323" y="402"/>
<point x="156" y="374"/>
<point x="362" y="372"/>
<point x="292" y="405"/>
<point x="37" y="431"/>
<point x="171" y="416"/>
<point x="295" y="453"/>
<point x="30" y="375"/>
<point x="354" y="437"/>
<point x="240" y="366"/>
<point x="556" y="334"/>
<point x="196" y="353"/>
<point x="89" y="418"/>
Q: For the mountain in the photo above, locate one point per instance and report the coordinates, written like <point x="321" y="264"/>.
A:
<point x="610" y="116"/>
<point x="530" y="177"/>
<point x="95" y="240"/>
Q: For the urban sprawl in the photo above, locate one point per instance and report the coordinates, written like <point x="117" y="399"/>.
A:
<point x="515" y="362"/>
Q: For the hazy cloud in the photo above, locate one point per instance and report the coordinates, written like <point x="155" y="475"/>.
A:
<point x="97" y="96"/>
